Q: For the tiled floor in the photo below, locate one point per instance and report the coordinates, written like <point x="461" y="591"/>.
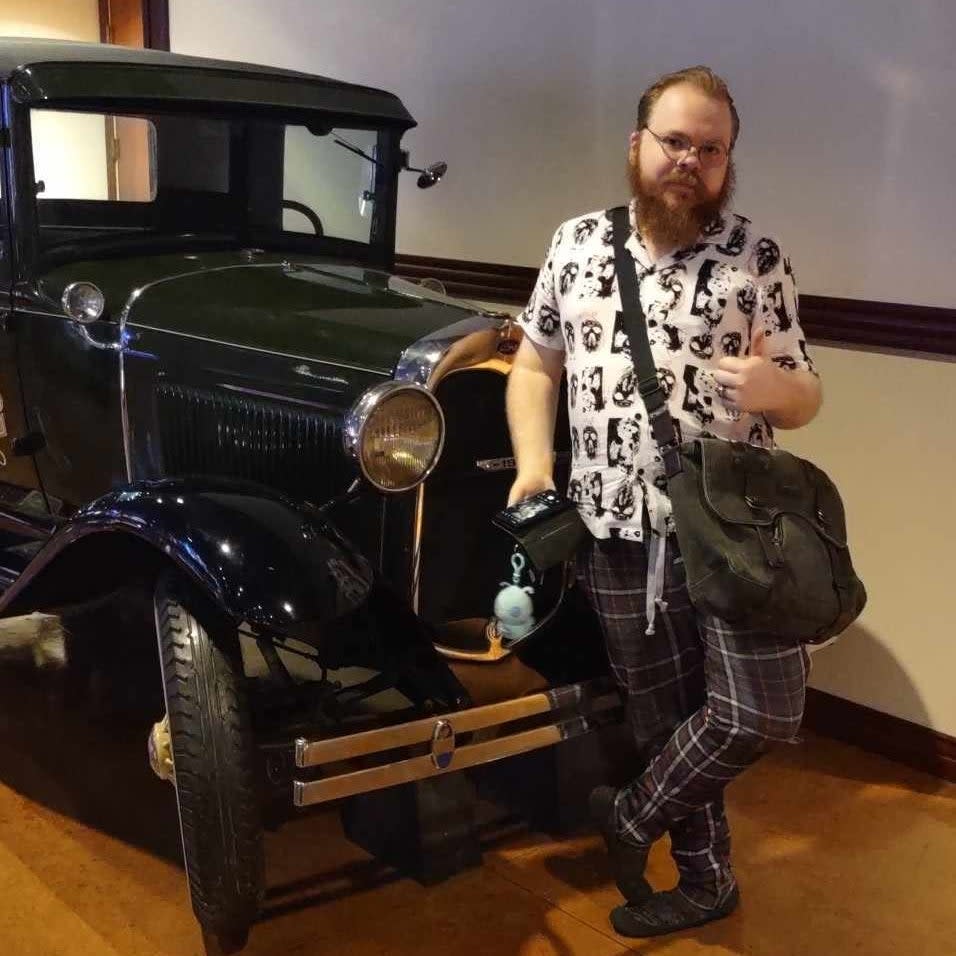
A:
<point x="837" y="852"/>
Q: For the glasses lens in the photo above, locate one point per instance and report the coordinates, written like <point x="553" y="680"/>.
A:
<point x="711" y="154"/>
<point x="678" y="148"/>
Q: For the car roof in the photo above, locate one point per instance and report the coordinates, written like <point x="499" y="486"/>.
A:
<point x="64" y="71"/>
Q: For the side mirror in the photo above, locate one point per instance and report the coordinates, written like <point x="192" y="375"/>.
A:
<point x="429" y="176"/>
<point x="432" y="175"/>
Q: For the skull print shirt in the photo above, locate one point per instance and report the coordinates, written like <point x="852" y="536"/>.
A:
<point x="702" y="303"/>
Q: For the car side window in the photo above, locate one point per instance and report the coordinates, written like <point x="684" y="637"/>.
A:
<point x="110" y="157"/>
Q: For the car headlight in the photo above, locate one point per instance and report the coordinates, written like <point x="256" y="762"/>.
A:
<point x="395" y="431"/>
<point x="83" y="302"/>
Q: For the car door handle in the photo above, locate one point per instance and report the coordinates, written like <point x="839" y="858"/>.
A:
<point x="28" y="444"/>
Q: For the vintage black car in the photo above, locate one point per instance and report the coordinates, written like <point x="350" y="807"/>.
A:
<point x="225" y="420"/>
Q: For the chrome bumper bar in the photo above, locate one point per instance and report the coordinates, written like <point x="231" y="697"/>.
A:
<point x="579" y="709"/>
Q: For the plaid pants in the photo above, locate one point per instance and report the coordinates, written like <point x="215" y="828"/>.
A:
<point x="704" y="699"/>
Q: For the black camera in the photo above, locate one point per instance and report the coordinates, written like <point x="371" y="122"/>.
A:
<point x="546" y="525"/>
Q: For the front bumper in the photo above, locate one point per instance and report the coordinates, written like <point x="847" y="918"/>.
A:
<point x="372" y="760"/>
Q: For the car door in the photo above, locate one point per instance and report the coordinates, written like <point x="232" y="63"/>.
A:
<point x="69" y="371"/>
<point x="20" y="493"/>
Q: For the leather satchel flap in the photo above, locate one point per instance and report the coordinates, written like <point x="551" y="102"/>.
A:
<point x="748" y="485"/>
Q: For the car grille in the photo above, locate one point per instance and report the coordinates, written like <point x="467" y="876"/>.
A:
<point x="294" y="449"/>
<point x="464" y="558"/>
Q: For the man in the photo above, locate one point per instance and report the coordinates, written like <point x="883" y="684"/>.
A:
<point x="720" y="302"/>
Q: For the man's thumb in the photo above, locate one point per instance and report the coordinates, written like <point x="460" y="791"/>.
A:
<point x="758" y="345"/>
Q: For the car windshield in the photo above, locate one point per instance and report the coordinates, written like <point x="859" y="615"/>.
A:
<point x="105" y="180"/>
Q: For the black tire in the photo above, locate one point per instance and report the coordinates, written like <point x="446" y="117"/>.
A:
<point x="214" y="756"/>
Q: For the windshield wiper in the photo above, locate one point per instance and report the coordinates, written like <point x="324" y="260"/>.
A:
<point x="354" y="149"/>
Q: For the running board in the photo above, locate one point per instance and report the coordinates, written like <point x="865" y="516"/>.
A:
<point x="581" y="708"/>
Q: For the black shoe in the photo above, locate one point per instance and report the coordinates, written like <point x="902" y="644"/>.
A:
<point x="667" y="912"/>
<point x="628" y="860"/>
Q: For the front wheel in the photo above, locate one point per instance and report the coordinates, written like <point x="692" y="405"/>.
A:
<point x="213" y="762"/>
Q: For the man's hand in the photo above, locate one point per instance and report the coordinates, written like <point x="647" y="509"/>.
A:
<point x="787" y="399"/>
<point x="750" y="384"/>
<point x="527" y="485"/>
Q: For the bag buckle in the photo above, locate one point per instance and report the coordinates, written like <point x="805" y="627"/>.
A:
<point x="772" y="548"/>
<point x="670" y="456"/>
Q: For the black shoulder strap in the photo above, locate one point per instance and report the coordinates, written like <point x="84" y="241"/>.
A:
<point x="635" y="324"/>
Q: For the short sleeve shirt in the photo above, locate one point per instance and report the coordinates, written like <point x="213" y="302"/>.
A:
<point x="702" y="303"/>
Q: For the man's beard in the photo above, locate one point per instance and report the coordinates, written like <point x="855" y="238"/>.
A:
<point x="678" y="227"/>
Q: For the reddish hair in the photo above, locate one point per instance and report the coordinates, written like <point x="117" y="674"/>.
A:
<point x="704" y="78"/>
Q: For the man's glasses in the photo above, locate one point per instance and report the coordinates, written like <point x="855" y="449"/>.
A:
<point x="678" y="147"/>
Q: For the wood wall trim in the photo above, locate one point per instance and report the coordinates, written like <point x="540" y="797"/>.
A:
<point x="155" y="17"/>
<point x="156" y="24"/>
<point x="916" y="328"/>
<point x="104" y="17"/>
<point x="489" y="281"/>
<point x="879" y="733"/>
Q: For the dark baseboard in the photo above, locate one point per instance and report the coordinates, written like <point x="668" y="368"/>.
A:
<point x="490" y="281"/>
<point x="883" y="734"/>
<point x="889" y="325"/>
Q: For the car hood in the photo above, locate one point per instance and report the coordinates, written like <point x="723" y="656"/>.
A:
<point x="306" y="307"/>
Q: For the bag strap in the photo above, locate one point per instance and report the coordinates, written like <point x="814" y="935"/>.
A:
<point x="635" y="324"/>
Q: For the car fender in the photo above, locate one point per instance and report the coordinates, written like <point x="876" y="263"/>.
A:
<point x="261" y="557"/>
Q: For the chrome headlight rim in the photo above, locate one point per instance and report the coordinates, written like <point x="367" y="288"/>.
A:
<point x="359" y="415"/>
<point x="68" y="302"/>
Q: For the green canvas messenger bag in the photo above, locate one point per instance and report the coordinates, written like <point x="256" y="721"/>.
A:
<point x="762" y="532"/>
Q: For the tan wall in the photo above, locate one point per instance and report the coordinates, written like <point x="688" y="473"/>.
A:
<point x="887" y="437"/>
<point x="59" y="19"/>
<point x="846" y="110"/>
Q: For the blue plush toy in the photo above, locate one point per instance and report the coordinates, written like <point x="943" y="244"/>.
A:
<point x="514" y="610"/>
